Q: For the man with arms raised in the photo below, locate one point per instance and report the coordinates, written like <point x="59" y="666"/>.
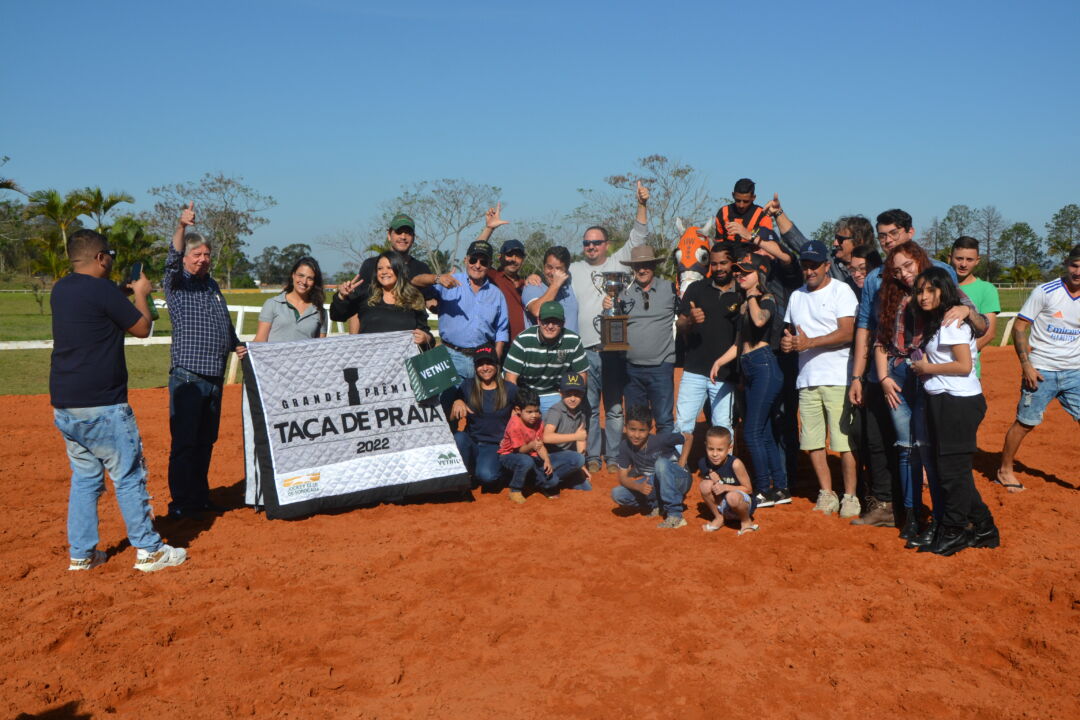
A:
<point x="1049" y="363"/>
<point x="203" y="337"/>
<point x="506" y="275"/>
<point x="607" y="370"/>
<point x="88" y="391"/>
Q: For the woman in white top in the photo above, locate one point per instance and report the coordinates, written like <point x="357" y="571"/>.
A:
<point x="954" y="408"/>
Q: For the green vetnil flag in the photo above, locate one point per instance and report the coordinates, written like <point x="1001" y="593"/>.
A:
<point x="431" y="372"/>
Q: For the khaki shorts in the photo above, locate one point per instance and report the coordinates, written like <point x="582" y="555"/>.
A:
<point x="822" y="408"/>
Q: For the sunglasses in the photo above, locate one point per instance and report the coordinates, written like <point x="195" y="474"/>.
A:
<point x="111" y="253"/>
<point x="514" y="253"/>
<point x="482" y="260"/>
<point x="550" y="321"/>
<point x="842" y="238"/>
<point x="593" y="243"/>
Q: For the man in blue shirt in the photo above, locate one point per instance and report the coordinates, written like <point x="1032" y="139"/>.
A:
<point x="203" y="337"/>
<point x="472" y="310"/>
<point x="88" y="391"/>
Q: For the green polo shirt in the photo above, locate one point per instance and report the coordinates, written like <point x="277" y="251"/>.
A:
<point x="985" y="297"/>
<point x="540" y="366"/>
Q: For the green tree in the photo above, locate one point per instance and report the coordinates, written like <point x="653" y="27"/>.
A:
<point x="98" y="205"/>
<point x="62" y="211"/>
<point x="1022" y="274"/>
<point x="935" y="238"/>
<point x="825" y="233"/>
<point x="131" y="241"/>
<point x="1019" y="245"/>
<point x="958" y="221"/>
<point x="988" y="223"/>
<point x="1063" y="231"/>
<point x="7" y="183"/>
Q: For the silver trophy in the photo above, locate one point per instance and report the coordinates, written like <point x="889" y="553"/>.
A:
<point x="613" y="320"/>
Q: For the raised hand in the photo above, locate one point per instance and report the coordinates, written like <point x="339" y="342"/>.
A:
<point x="772" y="208"/>
<point x="346" y="288"/>
<point x="642" y="193"/>
<point x="559" y="277"/>
<point x="141" y="287"/>
<point x="697" y="315"/>
<point x="187" y="215"/>
<point x="492" y="219"/>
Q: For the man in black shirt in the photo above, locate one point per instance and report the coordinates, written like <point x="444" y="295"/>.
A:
<point x="88" y="391"/>
<point x="707" y="315"/>
<point x="400" y="236"/>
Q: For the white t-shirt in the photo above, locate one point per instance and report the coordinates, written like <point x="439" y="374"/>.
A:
<point x="818" y="314"/>
<point x="939" y="350"/>
<point x="590" y="299"/>
<point x="1055" y="326"/>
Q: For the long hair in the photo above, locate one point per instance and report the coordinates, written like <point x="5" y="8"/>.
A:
<point x="894" y="292"/>
<point x="406" y="295"/>
<point x="316" y="294"/>
<point x="937" y="278"/>
<point x="476" y="396"/>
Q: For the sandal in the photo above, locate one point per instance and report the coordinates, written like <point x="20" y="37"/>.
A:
<point x="748" y="528"/>
<point x="1013" y="487"/>
<point x="711" y="527"/>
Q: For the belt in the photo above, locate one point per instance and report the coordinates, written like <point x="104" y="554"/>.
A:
<point x="463" y="351"/>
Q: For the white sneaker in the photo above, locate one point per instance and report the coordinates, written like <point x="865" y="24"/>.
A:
<point x="850" y="507"/>
<point x="98" y="558"/>
<point x="166" y="556"/>
<point x="827" y="502"/>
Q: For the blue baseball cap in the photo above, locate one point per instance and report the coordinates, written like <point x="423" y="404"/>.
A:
<point x="814" y="251"/>
<point x="511" y="245"/>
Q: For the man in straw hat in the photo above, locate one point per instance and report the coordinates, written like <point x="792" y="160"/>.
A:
<point x="651" y="303"/>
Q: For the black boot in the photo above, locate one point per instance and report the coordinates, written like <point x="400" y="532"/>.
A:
<point x="926" y="537"/>
<point x="949" y="541"/>
<point x="911" y="525"/>
<point x="985" y="535"/>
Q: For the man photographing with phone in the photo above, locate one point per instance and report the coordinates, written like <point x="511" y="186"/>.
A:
<point x="88" y="390"/>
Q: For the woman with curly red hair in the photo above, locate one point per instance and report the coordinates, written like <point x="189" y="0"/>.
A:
<point x="896" y="346"/>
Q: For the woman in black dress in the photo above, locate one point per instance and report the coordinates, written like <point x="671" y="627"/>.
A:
<point x="392" y="303"/>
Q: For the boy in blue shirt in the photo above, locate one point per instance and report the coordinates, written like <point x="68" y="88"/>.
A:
<point x="651" y="479"/>
<point x="724" y="479"/>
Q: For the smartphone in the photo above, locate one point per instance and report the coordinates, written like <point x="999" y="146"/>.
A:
<point x="136" y="272"/>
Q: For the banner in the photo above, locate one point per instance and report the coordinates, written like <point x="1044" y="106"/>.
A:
<point x="335" y="423"/>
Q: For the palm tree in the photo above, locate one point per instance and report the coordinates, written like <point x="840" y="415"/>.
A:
<point x="97" y="204"/>
<point x="128" y="237"/>
<point x="63" y="211"/>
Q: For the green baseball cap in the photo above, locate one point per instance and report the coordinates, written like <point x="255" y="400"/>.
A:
<point x="402" y="220"/>
<point x="551" y="310"/>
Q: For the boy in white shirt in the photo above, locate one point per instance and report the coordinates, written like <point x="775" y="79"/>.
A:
<point x="820" y="323"/>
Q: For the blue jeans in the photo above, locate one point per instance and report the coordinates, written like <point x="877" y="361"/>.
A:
<point x="98" y="439"/>
<point x="1061" y="384"/>
<point x="462" y="363"/>
<point x="194" y="417"/>
<point x="670" y="483"/>
<point x="693" y="389"/>
<point x="763" y="382"/>
<point x="481" y="458"/>
<point x="905" y="417"/>
<point x="607" y="377"/>
<point x="563" y="463"/>
<point x="653" y="386"/>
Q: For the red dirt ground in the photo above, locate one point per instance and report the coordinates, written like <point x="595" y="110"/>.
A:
<point x="553" y="609"/>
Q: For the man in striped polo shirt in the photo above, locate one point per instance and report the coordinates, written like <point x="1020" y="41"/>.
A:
<point x="541" y="355"/>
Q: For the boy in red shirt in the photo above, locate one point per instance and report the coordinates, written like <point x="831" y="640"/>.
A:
<point x="522" y="448"/>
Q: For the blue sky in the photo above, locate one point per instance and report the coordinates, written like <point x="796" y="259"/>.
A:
<point x="332" y="106"/>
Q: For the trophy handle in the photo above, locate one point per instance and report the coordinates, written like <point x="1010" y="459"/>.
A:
<point x="598" y="281"/>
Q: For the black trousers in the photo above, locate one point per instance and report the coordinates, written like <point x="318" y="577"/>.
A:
<point x="879" y="439"/>
<point x="953" y="423"/>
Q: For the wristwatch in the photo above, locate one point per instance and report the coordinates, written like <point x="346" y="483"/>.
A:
<point x="856" y="377"/>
